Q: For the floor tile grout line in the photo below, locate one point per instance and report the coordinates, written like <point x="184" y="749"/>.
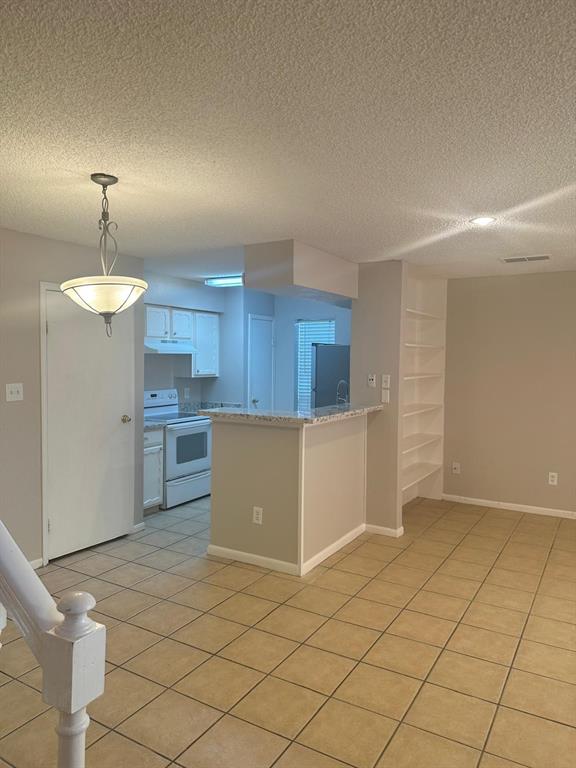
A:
<point x="270" y="674"/>
<point x="331" y="696"/>
<point x="499" y="704"/>
<point x="350" y="597"/>
<point x="358" y="662"/>
<point x="443" y="648"/>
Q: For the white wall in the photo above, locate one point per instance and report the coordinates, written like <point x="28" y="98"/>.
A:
<point x="229" y="386"/>
<point x="510" y="386"/>
<point x="376" y="336"/>
<point x="189" y="294"/>
<point x="235" y="305"/>
<point x="164" y="371"/>
<point x="25" y="261"/>
<point x="287" y="311"/>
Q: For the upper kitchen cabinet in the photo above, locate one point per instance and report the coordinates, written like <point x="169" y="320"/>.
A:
<point x="157" y="322"/>
<point x="206" y="340"/>
<point x="182" y="324"/>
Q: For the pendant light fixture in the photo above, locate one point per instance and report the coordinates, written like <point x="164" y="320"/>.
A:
<point x="105" y="294"/>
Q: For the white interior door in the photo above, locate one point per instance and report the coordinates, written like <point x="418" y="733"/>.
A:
<point x="89" y="451"/>
<point x="260" y="362"/>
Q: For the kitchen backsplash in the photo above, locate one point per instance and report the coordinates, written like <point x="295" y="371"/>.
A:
<point x="190" y="397"/>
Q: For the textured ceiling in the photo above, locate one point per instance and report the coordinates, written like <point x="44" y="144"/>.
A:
<point x="370" y="128"/>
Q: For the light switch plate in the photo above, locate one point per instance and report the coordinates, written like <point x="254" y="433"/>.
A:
<point x="385" y="396"/>
<point x="385" y="381"/>
<point x="14" y="392"/>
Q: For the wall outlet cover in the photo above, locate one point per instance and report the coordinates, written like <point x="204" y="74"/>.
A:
<point x="552" y="478"/>
<point x="14" y="392"/>
<point x="257" y="515"/>
<point x="385" y="396"/>
<point x="385" y="381"/>
<point x="372" y="380"/>
<point x="456" y="468"/>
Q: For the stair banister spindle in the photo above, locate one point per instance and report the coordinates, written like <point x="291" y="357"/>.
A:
<point x="68" y="645"/>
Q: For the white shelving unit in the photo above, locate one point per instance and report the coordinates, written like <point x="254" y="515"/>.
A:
<point x="422" y="364"/>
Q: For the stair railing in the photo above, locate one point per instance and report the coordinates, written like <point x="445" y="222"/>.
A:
<point x="67" y="644"/>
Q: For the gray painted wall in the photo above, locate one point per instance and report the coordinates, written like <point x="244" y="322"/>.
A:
<point x="510" y="388"/>
<point x="25" y="261"/>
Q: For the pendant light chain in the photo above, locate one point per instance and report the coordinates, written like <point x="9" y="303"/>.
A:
<point x="104" y="224"/>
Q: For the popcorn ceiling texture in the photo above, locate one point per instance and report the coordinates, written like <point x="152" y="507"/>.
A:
<point x="368" y="128"/>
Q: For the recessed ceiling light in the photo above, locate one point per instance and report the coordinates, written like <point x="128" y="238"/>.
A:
<point x="482" y="221"/>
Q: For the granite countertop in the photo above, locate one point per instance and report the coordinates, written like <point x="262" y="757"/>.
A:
<point x="280" y="418"/>
<point x="149" y="425"/>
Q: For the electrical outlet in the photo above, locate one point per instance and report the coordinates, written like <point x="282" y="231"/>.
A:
<point x="257" y="514"/>
<point x="385" y="399"/>
<point x="14" y="392"/>
<point x="552" y="478"/>
<point x="372" y="380"/>
<point x="455" y="467"/>
<point x="385" y="381"/>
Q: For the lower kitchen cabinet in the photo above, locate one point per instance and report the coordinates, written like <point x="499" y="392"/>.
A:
<point x="153" y="468"/>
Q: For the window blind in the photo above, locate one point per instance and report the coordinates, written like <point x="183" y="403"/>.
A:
<point x="309" y="332"/>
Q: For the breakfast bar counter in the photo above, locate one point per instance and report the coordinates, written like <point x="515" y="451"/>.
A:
<point x="288" y="487"/>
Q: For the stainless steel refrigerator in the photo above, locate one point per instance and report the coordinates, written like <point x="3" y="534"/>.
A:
<point x="330" y="374"/>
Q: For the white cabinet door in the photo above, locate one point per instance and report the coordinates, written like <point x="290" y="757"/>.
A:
<point x="207" y="341"/>
<point x="182" y="324"/>
<point x="157" y="322"/>
<point x="153" y="475"/>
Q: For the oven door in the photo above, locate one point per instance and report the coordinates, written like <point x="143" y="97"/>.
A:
<point x="188" y="448"/>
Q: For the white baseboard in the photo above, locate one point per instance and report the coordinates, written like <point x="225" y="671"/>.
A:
<point x="138" y="527"/>
<point x="395" y="532"/>
<point x="331" y="549"/>
<point x="36" y="563"/>
<point x="247" y="557"/>
<point x="514" y="507"/>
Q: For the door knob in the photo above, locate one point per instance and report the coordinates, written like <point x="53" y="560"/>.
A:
<point x="125" y="419"/>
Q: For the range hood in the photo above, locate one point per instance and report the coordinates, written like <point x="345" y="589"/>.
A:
<point x="169" y="346"/>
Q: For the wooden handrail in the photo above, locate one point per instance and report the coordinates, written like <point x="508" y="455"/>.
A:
<point x="68" y="645"/>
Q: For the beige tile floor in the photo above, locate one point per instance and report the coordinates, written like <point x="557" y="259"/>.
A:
<point x="454" y="646"/>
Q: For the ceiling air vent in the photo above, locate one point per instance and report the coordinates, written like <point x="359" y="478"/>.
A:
<point x="519" y="259"/>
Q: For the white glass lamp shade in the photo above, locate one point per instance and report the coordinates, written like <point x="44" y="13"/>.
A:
<point x="104" y="294"/>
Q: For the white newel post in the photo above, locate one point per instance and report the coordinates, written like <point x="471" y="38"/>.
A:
<point x="68" y="645"/>
<point x="74" y="654"/>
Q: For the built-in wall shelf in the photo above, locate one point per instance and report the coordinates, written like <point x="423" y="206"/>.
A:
<point x="410" y="345"/>
<point x="419" y="440"/>
<point x="421" y="315"/>
<point x="414" y="409"/>
<point x="423" y="363"/>
<point x="415" y="376"/>
<point x="415" y="473"/>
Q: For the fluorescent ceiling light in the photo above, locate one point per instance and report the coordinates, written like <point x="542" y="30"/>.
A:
<point x="483" y="221"/>
<point x="228" y="281"/>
